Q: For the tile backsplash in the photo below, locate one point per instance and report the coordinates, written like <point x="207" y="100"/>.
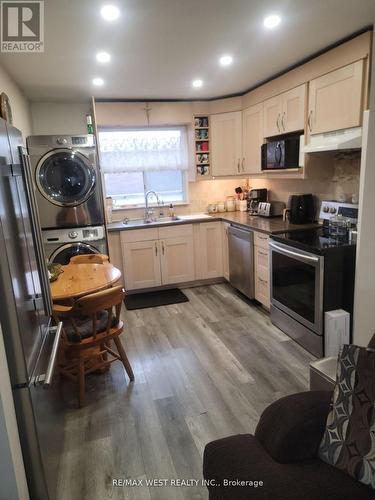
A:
<point x="333" y="176"/>
<point x="336" y="179"/>
<point x="200" y="195"/>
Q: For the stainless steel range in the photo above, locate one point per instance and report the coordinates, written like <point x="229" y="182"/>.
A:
<point x="311" y="273"/>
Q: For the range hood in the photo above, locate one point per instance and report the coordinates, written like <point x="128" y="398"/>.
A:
<point x="350" y="138"/>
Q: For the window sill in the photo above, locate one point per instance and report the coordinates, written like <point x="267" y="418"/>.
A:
<point x="135" y="207"/>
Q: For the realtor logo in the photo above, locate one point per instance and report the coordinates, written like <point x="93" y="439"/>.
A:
<point x="22" y="26"/>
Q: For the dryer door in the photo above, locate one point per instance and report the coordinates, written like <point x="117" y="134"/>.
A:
<point x="65" y="177"/>
<point x="63" y="254"/>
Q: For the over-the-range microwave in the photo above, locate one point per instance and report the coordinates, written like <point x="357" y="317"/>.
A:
<point x="281" y="154"/>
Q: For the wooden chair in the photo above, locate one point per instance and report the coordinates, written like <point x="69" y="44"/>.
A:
<point x="89" y="327"/>
<point x="92" y="258"/>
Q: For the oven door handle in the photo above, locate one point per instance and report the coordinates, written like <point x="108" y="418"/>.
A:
<point x="291" y="253"/>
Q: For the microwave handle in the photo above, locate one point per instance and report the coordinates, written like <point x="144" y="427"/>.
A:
<point x="278" y="154"/>
<point x="263" y="153"/>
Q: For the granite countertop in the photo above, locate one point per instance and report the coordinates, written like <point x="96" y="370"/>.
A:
<point x="272" y="225"/>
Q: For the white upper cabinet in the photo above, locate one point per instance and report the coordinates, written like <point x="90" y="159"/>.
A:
<point x="252" y="139"/>
<point x="226" y="135"/>
<point x="121" y="114"/>
<point x="336" y="99"/>
<point x="294" y="109"/>
<point x="285" y="113"/>
<point x="169" y="113"/>
<point x="273" y="110"/>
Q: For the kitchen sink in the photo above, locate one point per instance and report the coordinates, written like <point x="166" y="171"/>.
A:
<point x="159" y="220"/>
<point x="142" y="222"/>
<point x="163" y="220"/>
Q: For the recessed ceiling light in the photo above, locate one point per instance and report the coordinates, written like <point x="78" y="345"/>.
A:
<point x="226" y="60"/>
<point x="272" y="21"/>
<point x="98" y="82"/>
<point x="110" y="12"/>
<point x="103" y="57"/>
<point x="197" y="83"/>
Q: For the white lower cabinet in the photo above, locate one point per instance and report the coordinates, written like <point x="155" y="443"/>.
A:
<point x="155" y="257"/>
<point x="261" y="269"/>
<point x="141" y="263"/>
<point x="169" y="255"/>
<point x="177" y="260"/>
<point x="224" y="234"/>
<point x="211" y="253"/>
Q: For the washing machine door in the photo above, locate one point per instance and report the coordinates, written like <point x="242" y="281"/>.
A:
<point x="65" y="178"/>
<point x="63" y="254"/>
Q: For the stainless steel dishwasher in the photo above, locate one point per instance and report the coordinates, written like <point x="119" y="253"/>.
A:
<point x="241" y="260"/>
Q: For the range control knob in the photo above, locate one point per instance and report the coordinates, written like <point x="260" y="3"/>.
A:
<point x="333" y="210"/>
<point x="72" y="235"/>
<point x="62" y="140"/>
<point x="326" y="209"/>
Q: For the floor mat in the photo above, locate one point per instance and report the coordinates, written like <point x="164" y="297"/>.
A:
<point x="154" y="299"/>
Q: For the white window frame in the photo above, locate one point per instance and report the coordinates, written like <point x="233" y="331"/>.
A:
<point x="119" y="206"/>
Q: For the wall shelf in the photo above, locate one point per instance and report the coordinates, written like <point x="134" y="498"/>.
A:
<point x="202" y="140"/>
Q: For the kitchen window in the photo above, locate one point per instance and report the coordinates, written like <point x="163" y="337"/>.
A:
<point x="135" y="161"/>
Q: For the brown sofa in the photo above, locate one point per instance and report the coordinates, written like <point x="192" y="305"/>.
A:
<point x="283" y="455"/>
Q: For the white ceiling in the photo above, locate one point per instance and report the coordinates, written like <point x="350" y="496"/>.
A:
<point x="159" y="46"/>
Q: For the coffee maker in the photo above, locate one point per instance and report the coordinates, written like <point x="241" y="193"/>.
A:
<point x="255" y="197"/>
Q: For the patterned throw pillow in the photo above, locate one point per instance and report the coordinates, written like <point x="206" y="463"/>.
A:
<point x="349" y="439"/>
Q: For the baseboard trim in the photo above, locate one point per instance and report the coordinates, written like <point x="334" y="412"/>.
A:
<point x="188" y="284"/>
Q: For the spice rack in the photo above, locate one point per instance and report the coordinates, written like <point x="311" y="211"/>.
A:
<point x="202" y="146"/>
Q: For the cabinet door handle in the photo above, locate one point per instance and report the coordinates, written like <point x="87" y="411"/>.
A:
<point x="156" y="249"/>
<point x="282" y="121"/>
<point x="262" y="281"/>
<point x="243" y="164"/>
<point x="278" y="122"/>
<point x="263" y="253"/>
<point x="309" y="120"/>
<point x="162" y="247"/>
<point x="238" y="166"/>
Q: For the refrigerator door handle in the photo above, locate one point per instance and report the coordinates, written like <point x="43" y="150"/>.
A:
<point x="44" y="280"/>
<point x="53" y="358"/>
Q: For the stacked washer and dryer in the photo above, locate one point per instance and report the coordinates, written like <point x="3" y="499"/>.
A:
<point x="69" y="195"/>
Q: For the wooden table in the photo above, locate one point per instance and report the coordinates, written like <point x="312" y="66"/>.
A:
<point x="78" y="280"/>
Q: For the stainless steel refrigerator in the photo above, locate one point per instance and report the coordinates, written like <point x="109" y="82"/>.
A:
<point x="30" y="341"/>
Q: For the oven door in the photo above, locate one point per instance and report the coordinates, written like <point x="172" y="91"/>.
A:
<point x="297" y="284"/>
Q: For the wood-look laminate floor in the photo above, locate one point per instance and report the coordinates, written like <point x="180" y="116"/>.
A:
<point x="204" y="369"/>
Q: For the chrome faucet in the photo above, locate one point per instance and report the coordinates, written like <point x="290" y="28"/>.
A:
<point x="149" y="212"/>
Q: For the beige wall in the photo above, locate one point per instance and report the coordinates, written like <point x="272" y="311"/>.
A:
<point x="19" y="103"/>
<point x="49" y="118"/>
